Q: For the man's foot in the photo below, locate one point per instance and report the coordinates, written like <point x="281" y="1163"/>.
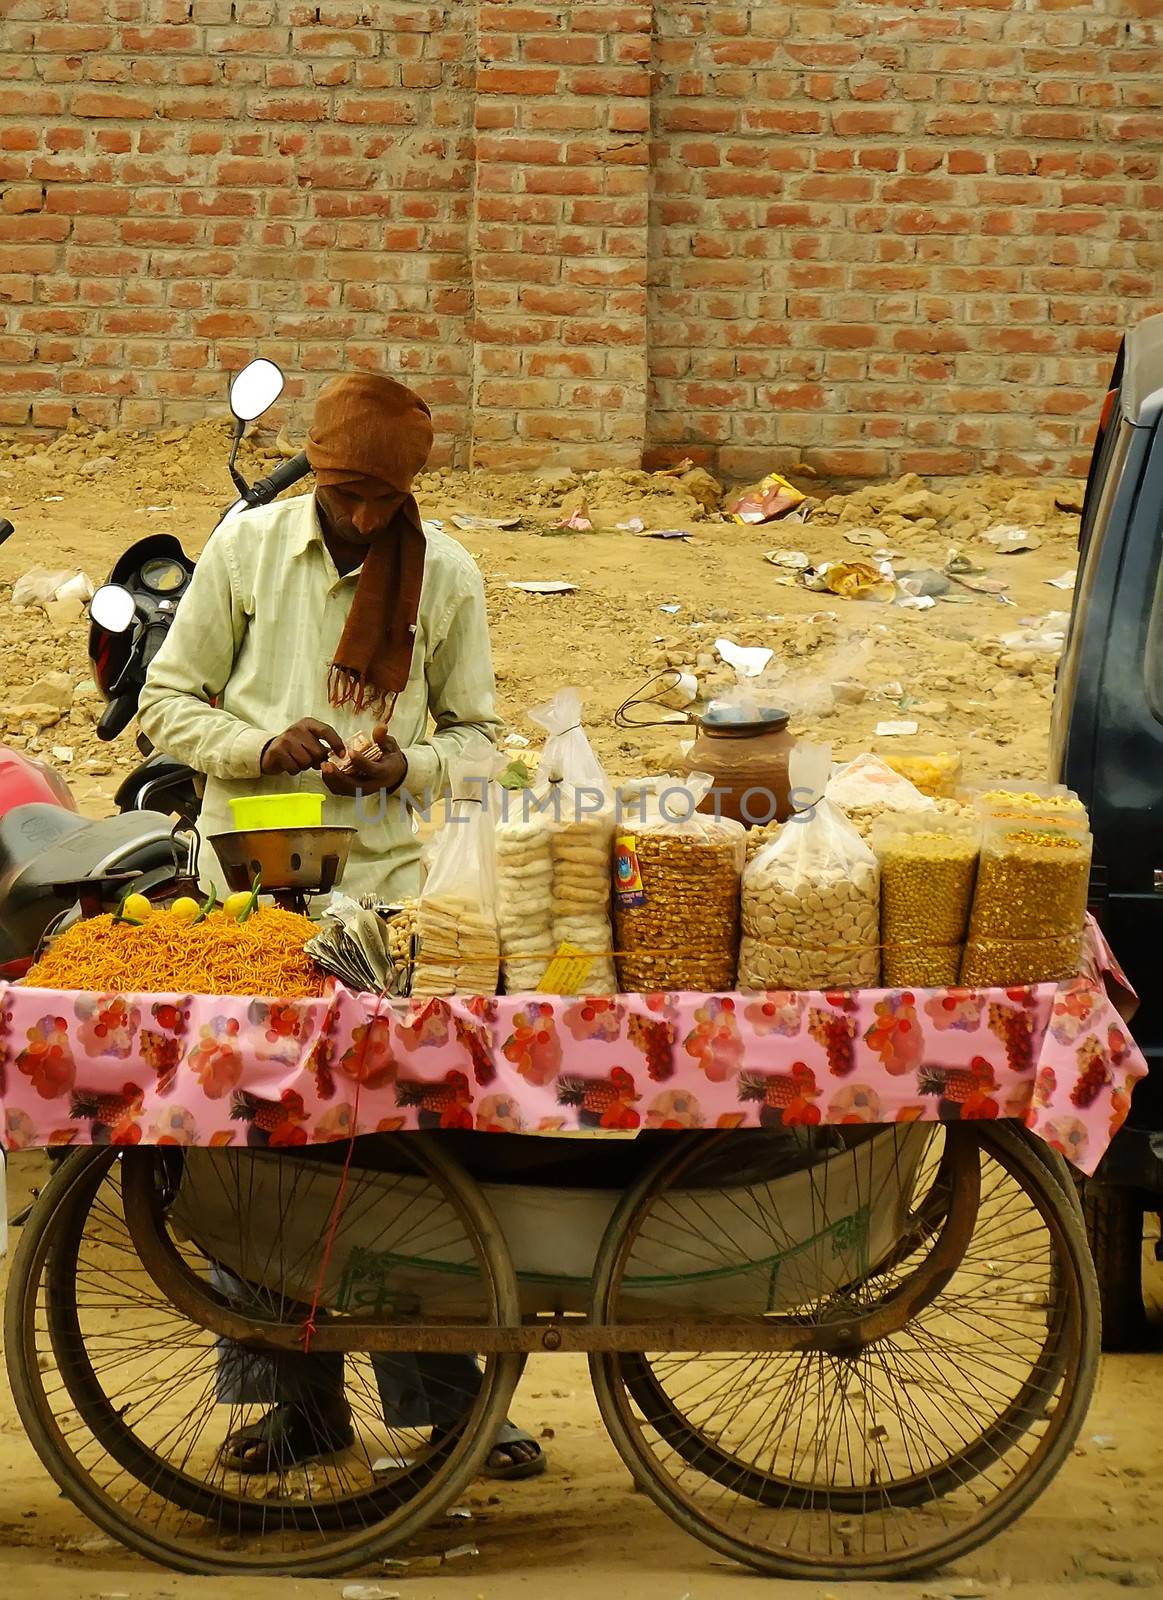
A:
<point x="288" y="1436"/>
<point x="515" y="1453"/>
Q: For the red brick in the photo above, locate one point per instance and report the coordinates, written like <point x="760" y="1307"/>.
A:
<point x="517" y="80"/>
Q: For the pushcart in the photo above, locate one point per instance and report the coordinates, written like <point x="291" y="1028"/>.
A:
<point x="827" y="1351"/>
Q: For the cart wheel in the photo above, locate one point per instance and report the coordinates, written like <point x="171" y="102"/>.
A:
<point x="118" y="1389"/>
<point x="899" y="1453"/>
<point x="1114" y="1226"/>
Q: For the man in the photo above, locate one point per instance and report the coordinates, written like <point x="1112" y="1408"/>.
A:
<point x="306" y="623"/>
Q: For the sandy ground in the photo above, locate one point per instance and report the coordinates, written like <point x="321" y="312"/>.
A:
<point x="944" y="668"/>
<point x="582" y="1529"/>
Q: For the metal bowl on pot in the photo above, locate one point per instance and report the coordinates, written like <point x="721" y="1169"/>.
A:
<point x="286" y="860"/>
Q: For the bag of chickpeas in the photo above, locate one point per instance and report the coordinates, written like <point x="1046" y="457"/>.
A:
<point x="928" y="867"/>
<point x="1029" y="909"/>
<point x="811" y="898"/>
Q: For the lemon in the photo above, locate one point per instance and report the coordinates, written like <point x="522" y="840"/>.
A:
<point x="237" y="905"/>
<point x="136" y="907"/>
<point x="185" y="910"/>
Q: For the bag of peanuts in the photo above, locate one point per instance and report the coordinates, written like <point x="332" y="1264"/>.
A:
<point x="456" y="915"/>
<point x="811" y="898"/>
<point x="676" y="890"/>
<point x="1029" y="909"/>
<point x="554" y="859"/>
<point x="928" y="864"/>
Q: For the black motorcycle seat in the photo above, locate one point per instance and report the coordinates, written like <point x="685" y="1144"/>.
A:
<point x="42" y="845"/>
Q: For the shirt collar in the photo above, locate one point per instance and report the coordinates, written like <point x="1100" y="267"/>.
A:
<point x="307" y="532"/>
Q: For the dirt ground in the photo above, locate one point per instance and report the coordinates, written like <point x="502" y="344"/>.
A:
<point x="945" y="668"/>
<point x="76" y="503"/>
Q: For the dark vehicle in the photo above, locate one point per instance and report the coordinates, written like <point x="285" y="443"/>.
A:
<point x="52" y="861"/>
<point x="1107" y="743"/>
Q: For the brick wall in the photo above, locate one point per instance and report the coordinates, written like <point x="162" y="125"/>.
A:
<point x="875" y="237"/>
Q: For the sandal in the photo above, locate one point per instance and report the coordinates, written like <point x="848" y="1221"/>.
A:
<point x="511" y="1465"/>
<point x="288" y="1436"/>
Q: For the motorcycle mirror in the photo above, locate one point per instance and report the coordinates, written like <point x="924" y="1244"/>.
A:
<point x="255" y="389"/>
<point x="113" y="608"/>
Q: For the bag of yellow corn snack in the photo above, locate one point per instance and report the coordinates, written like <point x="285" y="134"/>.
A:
<point x="1029" y="908"/>
<point x="928" y="866"/>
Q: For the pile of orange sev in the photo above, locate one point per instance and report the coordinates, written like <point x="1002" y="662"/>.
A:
<point x="166" y="954"/>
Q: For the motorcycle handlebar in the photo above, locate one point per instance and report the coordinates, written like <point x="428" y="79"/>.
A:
<point x="117" y="716"/>
<point x="270" y="487"/>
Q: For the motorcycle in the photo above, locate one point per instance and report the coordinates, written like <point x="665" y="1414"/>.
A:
<point x="55" y="864"/>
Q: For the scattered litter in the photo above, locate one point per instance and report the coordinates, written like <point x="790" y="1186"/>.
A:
<point x="748" y="661"/>
<point x="577" y="522"/>
<point x="870" y="539"/>
<point x="546" y="586"/>
<point x="665" y="533"/>
<point x="516" y="741"/>
<point x="1064" y="580"/>
<point x="852" y="580"/>
<point x="368" y="1591"/>
<point x="62" y="753"/>
<point x="823" y="616"/>
<point x="460" y="1552"/>
<point x="635" y="525"/>
<point x="459" y="1513"/>
<point x="53" y="499"/>
<point x="158" y="508"/>
<point x="39" y="586"/>
<point x="1104" y="1441"/>
<point x="472" y="524"/>
<point x="892" y="730"/>
<point x="1039" y="640"/>
<point x="675" y="471"/>
<point x="979" y="585"/>
<point x="957" y="1589"/>
<point x="794" y="560"/>
<point x="774" y="497"/>
<point x="392" y="1464"/>
<point x="671" y="610"/>
<point x="396" y="1565"/>
<point x="926" y="582"/>
<point x="916" y="602"/>
<point x="1008" y="539"/>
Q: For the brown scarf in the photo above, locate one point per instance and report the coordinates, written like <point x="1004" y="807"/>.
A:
<point x="369" y="433"/>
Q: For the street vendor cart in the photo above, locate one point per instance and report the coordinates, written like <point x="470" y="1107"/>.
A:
<point x="835" y="1293"/>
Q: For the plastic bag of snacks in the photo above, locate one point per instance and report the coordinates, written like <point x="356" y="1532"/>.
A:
<point x="811" y="898"/>
<point x="676" y="891"/>
<point x="456" y="916"/>
<point x="1029" y="910"/>
<point x="1050" y="800"/>
<point x="934" y="769"/>
<point x="867" y="788"/>
<point x="928" y="865"/>
<point x="554" y="858"/>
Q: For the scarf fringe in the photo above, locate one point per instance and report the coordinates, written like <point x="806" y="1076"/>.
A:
<point x="347" y="687"/>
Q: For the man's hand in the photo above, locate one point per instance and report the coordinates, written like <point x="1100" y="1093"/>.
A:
<point x="370" y="774"/>
<point x="304" y="745"/>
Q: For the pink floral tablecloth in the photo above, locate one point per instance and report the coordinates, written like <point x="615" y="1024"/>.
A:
<point x="194" y="1069"/>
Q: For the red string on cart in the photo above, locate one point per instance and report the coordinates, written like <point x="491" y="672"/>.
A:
<point x="309" y="1327"/>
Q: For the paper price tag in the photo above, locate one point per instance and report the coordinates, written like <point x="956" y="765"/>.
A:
<point x="567" y="972"/>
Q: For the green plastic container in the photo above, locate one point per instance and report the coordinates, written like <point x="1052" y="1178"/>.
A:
<point x="301" y="810"/>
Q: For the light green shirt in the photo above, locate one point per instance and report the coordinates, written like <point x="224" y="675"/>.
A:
<point x="257" y="631"/>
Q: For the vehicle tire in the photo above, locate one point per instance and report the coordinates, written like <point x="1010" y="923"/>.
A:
<point x="1114" y="1229"/>
<point x="874" y="1461"/>
<point x="118" y="1389"/>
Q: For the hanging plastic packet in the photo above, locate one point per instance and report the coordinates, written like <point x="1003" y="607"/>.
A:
<point x="456" y="918"/>
<point x="554" y="849"/>
<point x="811" y="898"/>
